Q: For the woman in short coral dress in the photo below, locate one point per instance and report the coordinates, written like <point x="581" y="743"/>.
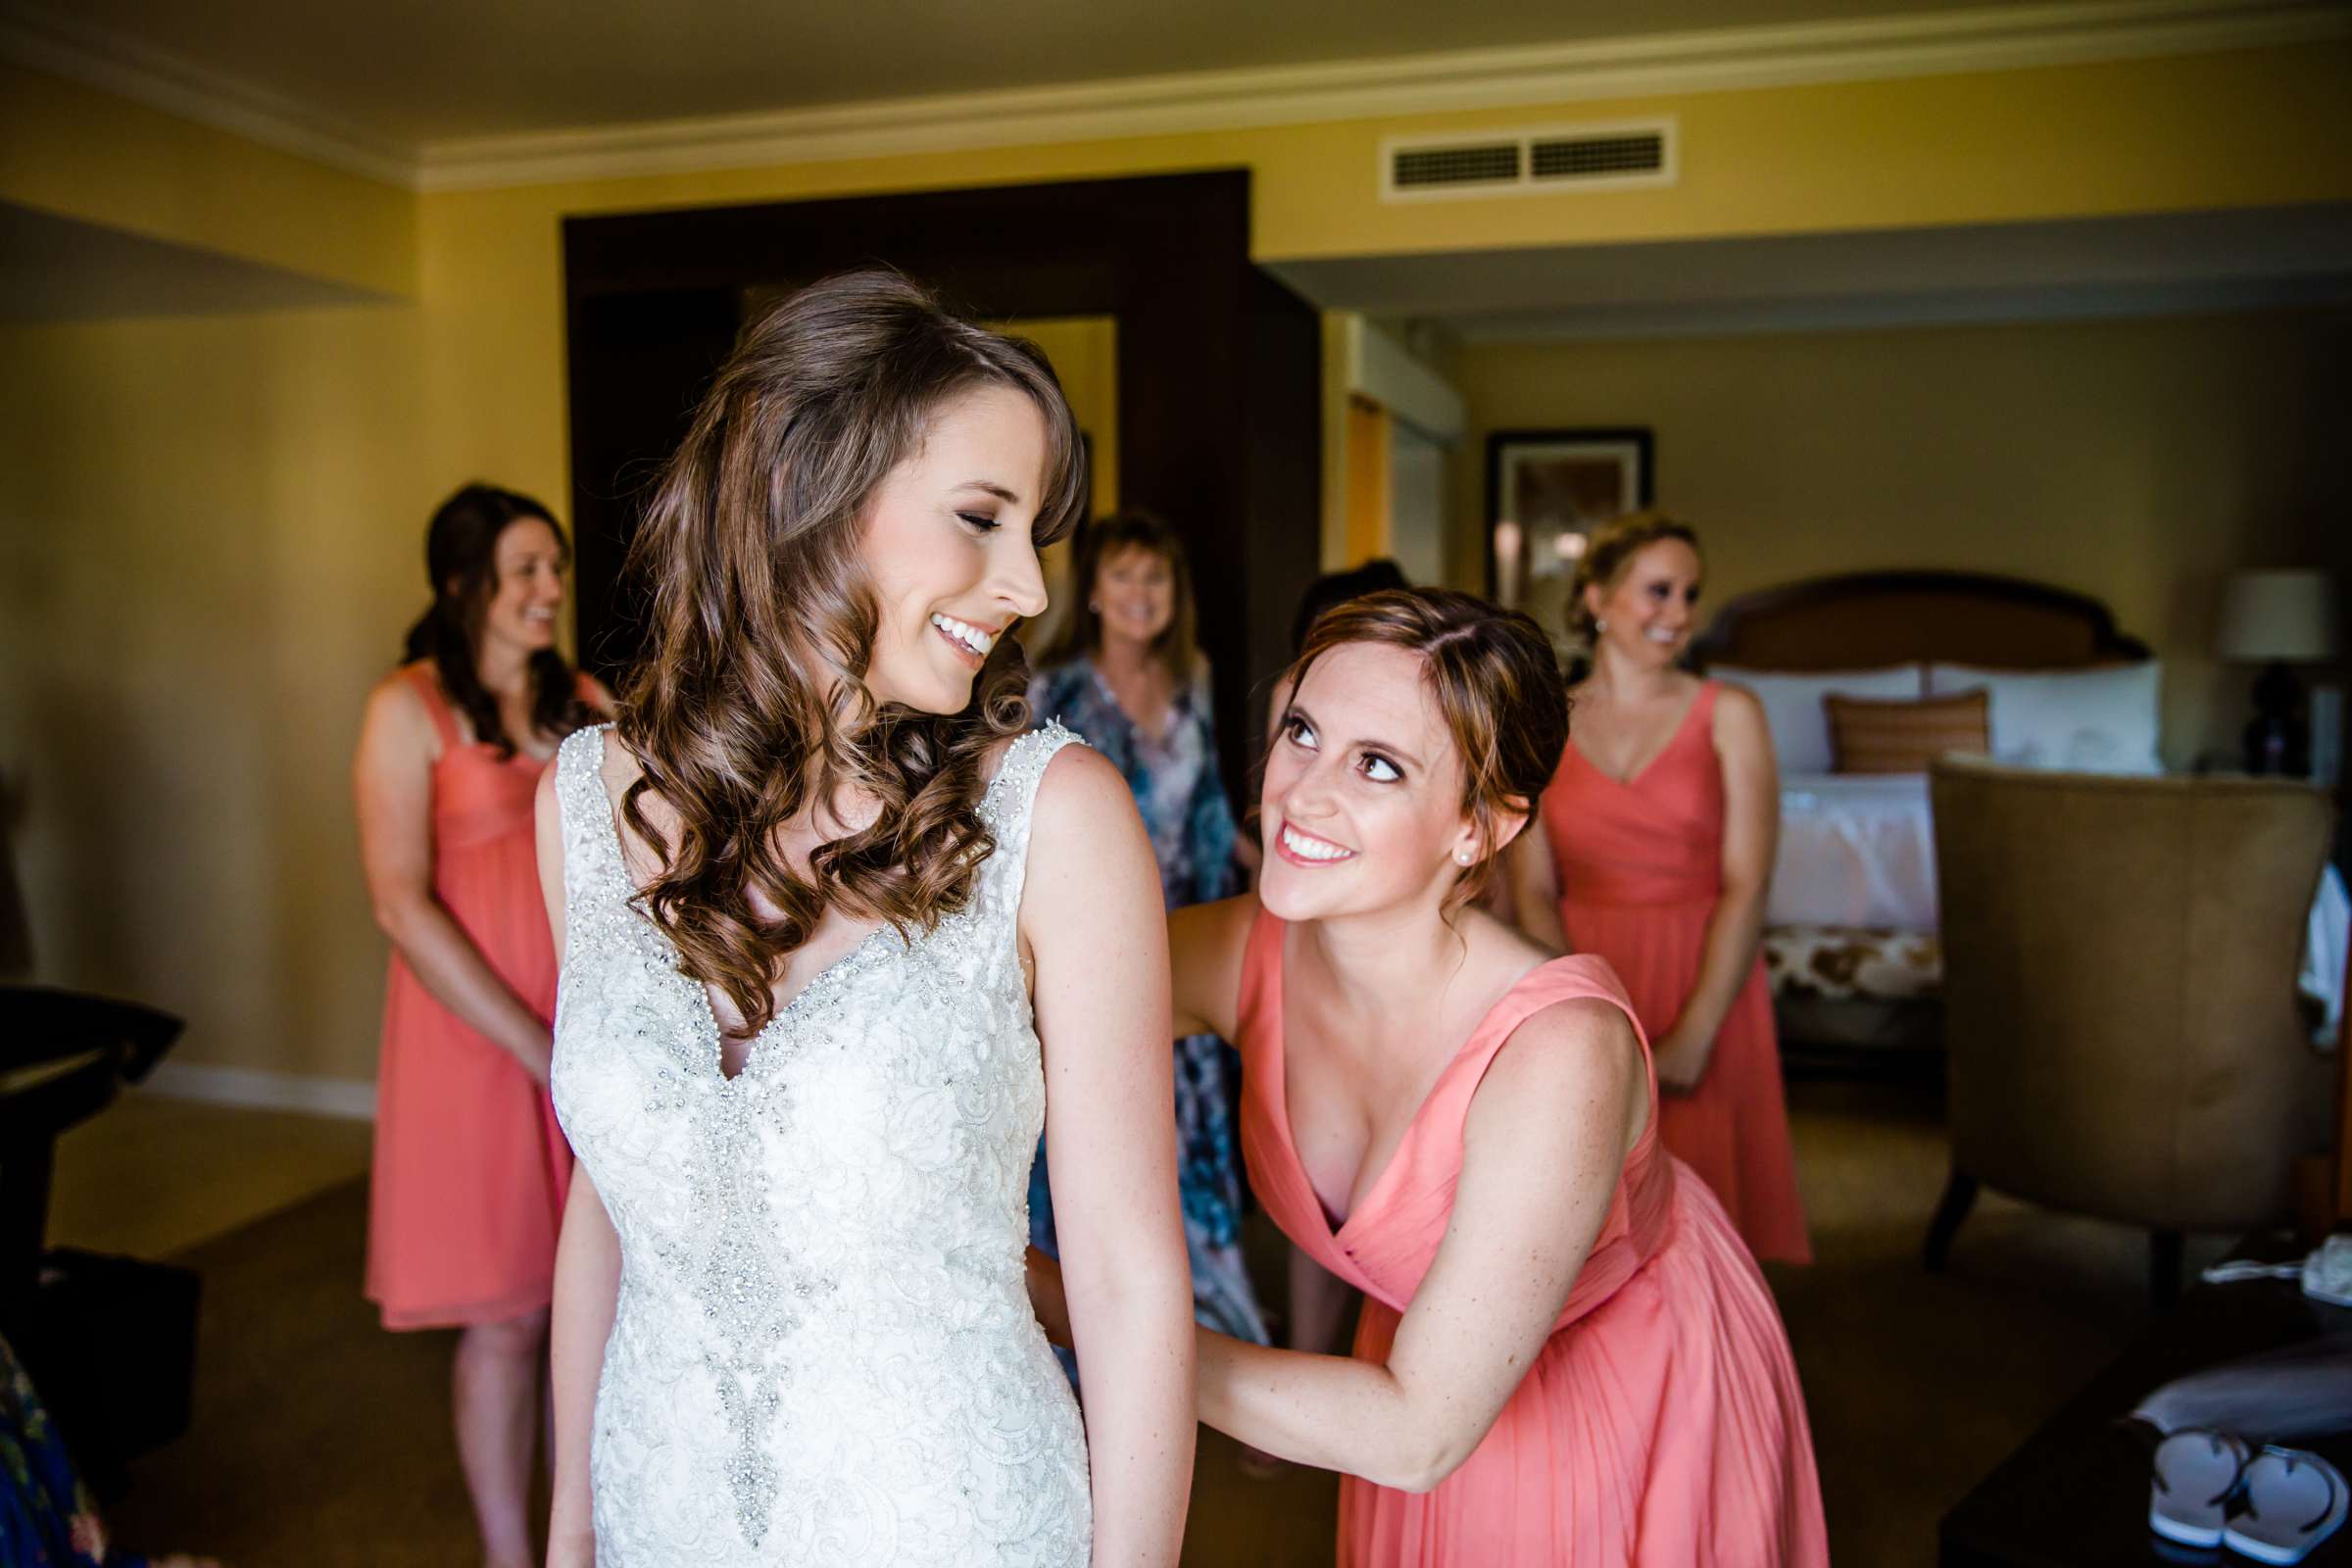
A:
<point x="1653" y="848"/>
<point x="1565" y="1355"/>
<point x="471" y="1166"/>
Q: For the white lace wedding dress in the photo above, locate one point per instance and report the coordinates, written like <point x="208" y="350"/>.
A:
<point x="823" y="1351"/>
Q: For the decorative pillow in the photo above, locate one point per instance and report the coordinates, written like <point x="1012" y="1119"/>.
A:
<point x="1792" y="699"/>
<point x="1881" y="737"/>
<point x="2083" y="720"/>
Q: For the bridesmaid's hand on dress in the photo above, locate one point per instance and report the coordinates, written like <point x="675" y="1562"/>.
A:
<point x="1046" y="1298"/>
<point x="1681" y="1057"/>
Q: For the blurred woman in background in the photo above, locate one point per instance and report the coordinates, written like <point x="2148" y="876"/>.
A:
<point x="471" y="1166"/>
<point x="1127" y="676"/>
<point x="1653" y="848"/>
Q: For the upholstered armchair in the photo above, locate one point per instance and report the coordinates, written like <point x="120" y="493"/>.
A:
<point x="2120" y="961"/>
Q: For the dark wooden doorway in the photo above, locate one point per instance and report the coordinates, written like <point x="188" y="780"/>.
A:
<point x="1219" y="371"/>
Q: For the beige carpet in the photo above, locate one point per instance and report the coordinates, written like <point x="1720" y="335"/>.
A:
<point x="320" y="1440"/>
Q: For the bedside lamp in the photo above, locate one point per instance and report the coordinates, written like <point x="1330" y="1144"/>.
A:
<point x="2275" y="618"/>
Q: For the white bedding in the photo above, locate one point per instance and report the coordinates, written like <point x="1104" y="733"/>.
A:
<point x="1856" y="850"/>
<point x="1859" y="851"/>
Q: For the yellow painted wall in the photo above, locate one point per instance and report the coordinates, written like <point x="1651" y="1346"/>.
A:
<point x="2183" y="133"/>
<point x="2134" y="461"/>
<point x="209" y="528"/>
<point x="208" y="552"/>
<point x="73" y="152"/>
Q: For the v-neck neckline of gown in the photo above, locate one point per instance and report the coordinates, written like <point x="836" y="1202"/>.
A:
<point x="754" y="1046"/>
<point x="1649" y="764"/>
<point x="1281" y="1078"/>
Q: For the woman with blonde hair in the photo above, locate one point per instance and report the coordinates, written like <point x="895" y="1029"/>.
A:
<point x="1653" y="848"/>
<point x="1128" y="677"/>
<point x="839" y="935"/>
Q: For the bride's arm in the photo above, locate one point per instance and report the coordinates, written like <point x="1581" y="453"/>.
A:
<point x="1543" y="1144"/>
<point x="587" y="1283"/>
<point x="1092" y="920"/>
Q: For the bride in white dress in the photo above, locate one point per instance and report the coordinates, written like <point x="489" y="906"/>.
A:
<point x="835" y="944"/>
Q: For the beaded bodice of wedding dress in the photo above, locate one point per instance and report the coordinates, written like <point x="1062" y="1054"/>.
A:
<point x="823" y="1351"/>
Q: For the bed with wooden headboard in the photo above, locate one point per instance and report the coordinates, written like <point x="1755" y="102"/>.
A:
<point x="1858" y="979"/>
<point x="1866" y="620"/>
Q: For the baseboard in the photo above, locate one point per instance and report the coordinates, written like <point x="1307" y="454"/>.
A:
<point x="308" y="1092"/>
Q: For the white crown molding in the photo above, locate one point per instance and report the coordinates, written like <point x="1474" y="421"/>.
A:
<point x="113" y="62"/>
<point x="1712" y="61"/>
<point x="353" y="1099"/>
<point x="2079" y="32"/>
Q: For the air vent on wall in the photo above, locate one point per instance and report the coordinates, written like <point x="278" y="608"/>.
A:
<point x="1428" y="167"/>
<point x="1510" y="162"/>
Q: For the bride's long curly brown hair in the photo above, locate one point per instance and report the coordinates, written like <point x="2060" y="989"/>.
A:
<point x="751" y="708"/>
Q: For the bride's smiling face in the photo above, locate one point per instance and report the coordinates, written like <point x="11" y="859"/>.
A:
<point x="1362" y="804"/>
<point x="947" y="545"/>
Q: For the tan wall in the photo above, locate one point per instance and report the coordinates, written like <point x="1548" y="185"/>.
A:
<point x="77" y="153"/>
<point x="208" y="552"/>
<point x="2134" y="460"/>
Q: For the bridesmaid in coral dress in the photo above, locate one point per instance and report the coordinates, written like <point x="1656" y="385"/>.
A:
<point x="1565" y="1356"/>
<point x="471" y="1165"/>
<point x="1652" y="849"/>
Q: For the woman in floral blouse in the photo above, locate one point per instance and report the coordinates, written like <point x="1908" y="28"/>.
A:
<point x="1127" y="676"/>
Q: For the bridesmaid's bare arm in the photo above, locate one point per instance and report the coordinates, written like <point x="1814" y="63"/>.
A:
<point x="1544" y="1145"/>
<point x="1207" y="943"/>
<point x="1092" y="919"/>
<point x="392" y="781"/>
<point x="1751" y="831"/>
<point x="1535" y="882"/>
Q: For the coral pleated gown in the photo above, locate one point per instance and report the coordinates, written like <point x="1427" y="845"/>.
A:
<point x="1641" y="866"/>
<point x="1661" y="1425"/>
<point x="471" y="1166"/>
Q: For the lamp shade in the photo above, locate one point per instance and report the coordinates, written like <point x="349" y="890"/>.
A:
<point x="2278" y="616"/>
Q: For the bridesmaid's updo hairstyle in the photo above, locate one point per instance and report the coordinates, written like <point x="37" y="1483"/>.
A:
<point x="1497" y="686"/>
<point x="750" y="705"/>
<point x="461" y="562"/>
<point x="1614" y="546"/>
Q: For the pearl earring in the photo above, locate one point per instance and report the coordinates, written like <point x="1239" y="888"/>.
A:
<point x="1461" y="856"/>
<point x="1599" y="625"/>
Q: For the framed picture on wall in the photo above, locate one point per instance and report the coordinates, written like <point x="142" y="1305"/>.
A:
<point x="1546" y="491"/>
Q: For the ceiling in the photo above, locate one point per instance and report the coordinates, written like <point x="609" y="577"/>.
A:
<point x="404" y="74"/>
<point x="2247" y="258"/>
